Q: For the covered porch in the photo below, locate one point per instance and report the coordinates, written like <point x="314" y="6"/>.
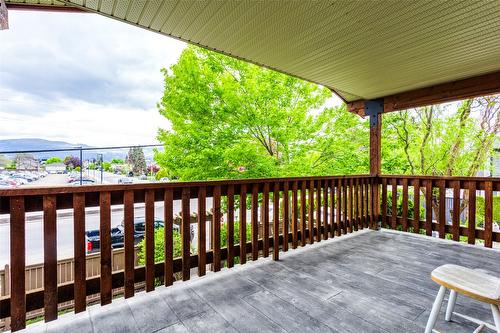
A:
<point x="334" y="266"/>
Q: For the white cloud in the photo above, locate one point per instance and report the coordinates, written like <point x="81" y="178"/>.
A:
<point x="81" y="78"/>
<point x="86" y="123"/>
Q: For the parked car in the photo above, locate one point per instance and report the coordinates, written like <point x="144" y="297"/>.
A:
<point x="84" y="182"/>
<point x="140" y="228"/>
<point x="118" y="234"/>
<point x="93" y="241"/>
<point x="125" y="180"/>
<point x="5" y="184"/>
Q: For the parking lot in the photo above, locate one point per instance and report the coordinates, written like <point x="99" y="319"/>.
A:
<point x="14" y="179"/>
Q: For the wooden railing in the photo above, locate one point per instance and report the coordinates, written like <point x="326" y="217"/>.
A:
<point x="429" y="209"/>
<point x="305" y="210"/>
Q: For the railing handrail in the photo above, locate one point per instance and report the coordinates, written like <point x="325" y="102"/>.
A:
<point x="461" y="178"/>
<point x="161" y="185"/>
<point x="34" y="196"/>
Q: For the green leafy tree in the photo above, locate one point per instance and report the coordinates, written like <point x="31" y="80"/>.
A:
<point x="442" y="140"/>
<point x="137" y="160"/>
<point x="53" y="160"/>
<point x="231" y="119"/>
<point x="117" y="161"/>
<point x="106" y="166"/>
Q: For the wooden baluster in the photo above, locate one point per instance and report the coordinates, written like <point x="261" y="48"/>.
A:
<point x="442" y="208"/>
<point x="311" y="211"/>
<point x="373" y="200"/>
<point x="303" y="205"/>
<point x="186" y="232"/>
<point x="416" y="206"/>
<point x="356" y="204"/>
<point x="150" y="239"/>
<point x="128" y="221"/>
<point x="488" y="214"/>
<point x="105" y="242"/>
<point x="286" y="215"/>
<point x="255" y="222"/>
<point x="367" y="202"/>
<point x="456" y="211"/>
<point x="18" y="264"/>
<point x="471" y="239"/>
<point x="332" y="208"/>
<point x="202" y="231"/>
<point x="230" y="226"/>
<point x="362" y="203"/>
<point x="428" y="207"/>
<point x="168" y="203"/>
<point x="405" y="205"/>
<point x="384" y="202"/>
<point x="325" y="210"/>
<point x="347" y="226"/>
<point x="318" y="210"/>
<point x="295" y="214"/>
<point x="276" y="221"/>
<point x="80" y="265"/>
<point x="216" y="229"/>
<point x="351" y="207"/>
<point x="50" y="257"/>
<point x="264" y="216"/>
<point x="243" y="224"/>
<point x="340" y="225"/>
<point x="394" y="207"/>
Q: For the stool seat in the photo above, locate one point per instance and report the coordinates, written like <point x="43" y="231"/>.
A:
<point x="469" y="282"/>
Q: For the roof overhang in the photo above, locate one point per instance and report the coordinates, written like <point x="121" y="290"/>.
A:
<point x="361" y="50"/>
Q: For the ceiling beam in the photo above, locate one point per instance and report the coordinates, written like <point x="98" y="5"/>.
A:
<point x="483" y="85"/>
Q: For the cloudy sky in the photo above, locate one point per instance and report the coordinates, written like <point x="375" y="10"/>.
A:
<point x="81" y="78"/>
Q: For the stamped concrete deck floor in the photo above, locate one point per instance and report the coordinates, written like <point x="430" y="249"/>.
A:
<point x="370" y="281"/>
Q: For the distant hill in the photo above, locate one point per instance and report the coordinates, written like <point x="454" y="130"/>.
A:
<point x="41" y="144"/>
<point x="35" y="144"/>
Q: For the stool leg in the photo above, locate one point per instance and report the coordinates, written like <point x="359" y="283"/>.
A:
<point x="435" y="310"/>
<point x="496" y="316"/>
<point x="451" y="305"/>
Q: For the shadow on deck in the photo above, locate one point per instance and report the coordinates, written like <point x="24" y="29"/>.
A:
<point x="365" y="282"/>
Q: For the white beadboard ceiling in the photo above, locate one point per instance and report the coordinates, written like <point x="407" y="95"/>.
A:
<point x="359" y="49"/>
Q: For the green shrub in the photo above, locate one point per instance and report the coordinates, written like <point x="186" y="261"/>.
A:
<point x="480" y="210"/>
<point x="399" y="205"/>
<point x="223" y="233"/>
<point x="159" y="247"/>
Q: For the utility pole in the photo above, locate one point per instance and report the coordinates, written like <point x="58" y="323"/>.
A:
<point x="99" y="159"/>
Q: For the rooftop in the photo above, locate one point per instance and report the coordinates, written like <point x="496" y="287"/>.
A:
<point x="368" y="281"/>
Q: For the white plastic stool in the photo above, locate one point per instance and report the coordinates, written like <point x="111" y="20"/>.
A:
<point x="468" y="282"/>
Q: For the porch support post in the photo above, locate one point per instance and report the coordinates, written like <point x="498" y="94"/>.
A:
<point x="374" y="110"/>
